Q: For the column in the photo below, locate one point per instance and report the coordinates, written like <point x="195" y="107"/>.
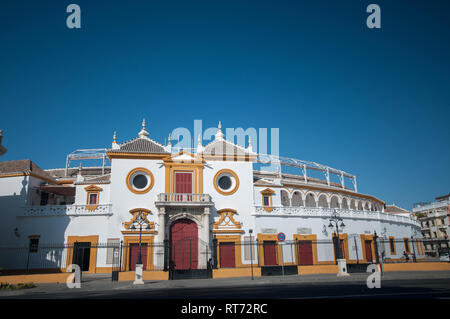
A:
<point x="205" y="236"/>
<point x="159" y="243"/>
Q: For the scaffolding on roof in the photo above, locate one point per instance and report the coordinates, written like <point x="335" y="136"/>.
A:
<point x="304" y="166"/>
<point x="86" y="154"/>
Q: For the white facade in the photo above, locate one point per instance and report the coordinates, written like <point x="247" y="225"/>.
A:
<point x="293" y="207"/>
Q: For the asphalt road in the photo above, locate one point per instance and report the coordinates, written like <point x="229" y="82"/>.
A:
<point x="393" y="285"/>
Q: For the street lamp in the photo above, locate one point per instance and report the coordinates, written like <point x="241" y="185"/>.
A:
<point x="335" y="218"/>
<point x="414" y="250"/>
<point x="140" y="220"/>
<point x="250" y="231"/>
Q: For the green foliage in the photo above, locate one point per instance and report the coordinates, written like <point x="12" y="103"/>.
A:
<point x="6" y="286"/>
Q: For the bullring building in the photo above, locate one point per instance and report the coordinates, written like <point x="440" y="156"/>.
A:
<point x="187" y="208"/>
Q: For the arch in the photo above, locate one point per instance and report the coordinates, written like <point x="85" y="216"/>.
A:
<point x="310" y="200"/>
<point x="360" y="206"/>
<point x="366" y="206"/>
<point x="323" y="201"/>
<point x="334" y="203"/>
<point x="352" y="204"/>
<point x="285" y="198"/>
<point x="344" y="204"/>
<point x="297" y="199"/>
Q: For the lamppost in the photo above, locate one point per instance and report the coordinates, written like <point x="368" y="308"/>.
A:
<point x="414" y="250"/>
<point x="341" y="262"/>
<point x="335" y="218"/>
<point x="250" y="231"/>
<point x="140" y="220"/>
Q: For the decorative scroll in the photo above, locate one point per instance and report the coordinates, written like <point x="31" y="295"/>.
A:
<point x="136" y="212"/>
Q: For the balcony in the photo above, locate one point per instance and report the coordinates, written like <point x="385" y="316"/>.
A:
<point x="327" y="212"/>
<point x="67" y="210"/>
<point x="174" y="199"/>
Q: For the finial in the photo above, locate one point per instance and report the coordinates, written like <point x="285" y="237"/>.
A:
<point x="143" y="133"/>
<point x="199" y="144"/>
<point x="249" y="147"/>
<point x="114" y="137"/>
<point x="170" y="140"/>
<point x="219" y="134"/>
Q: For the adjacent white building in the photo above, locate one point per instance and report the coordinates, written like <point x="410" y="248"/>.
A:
<point x="434" y="218"/>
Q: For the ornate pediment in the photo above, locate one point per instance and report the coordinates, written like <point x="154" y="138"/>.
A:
<point x="226" y="222"/>
<point x="139" y="217"/>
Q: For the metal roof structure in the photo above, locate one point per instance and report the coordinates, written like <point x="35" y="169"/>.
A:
<point x="304" y="166"/>
<point x="87" y="154"/>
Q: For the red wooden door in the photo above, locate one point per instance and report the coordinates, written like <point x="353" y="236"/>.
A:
<point x="270" y="253"/>
<point x="184" y="244"/>
<point x="134" y="253"/>
<point x="305" y="252"/>
<point x="227" y="255"/>
<point x="368" y="248"/>
<point x="183" y="185"/>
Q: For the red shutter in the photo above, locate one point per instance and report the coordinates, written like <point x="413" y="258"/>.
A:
<point x="368" y="247"/>
<point x="134" y="253"/>
<point x="305" y="253"/>
<point x="227" y="255"/>
<point x="270" y="253"/>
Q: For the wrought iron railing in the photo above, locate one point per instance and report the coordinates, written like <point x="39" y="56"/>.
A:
<point x="326" y="212"/>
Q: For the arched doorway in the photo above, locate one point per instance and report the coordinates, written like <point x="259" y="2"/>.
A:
<point x="183" y="245"/>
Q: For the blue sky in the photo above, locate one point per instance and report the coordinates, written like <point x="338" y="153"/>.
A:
<point x="371" y="102"/>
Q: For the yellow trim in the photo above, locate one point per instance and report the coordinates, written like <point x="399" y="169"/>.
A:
<point x="261" y="238"/>
<point x="392" y="251"/>
<point x="149" y="187"/>
<point x="127" y="240"/>
<point x="93" y="253"/>
<point x="136" y="232"/>
<point x="234" y="158"/>
<point x="236" y="239"/>
<point x="312" y="238"/>
<point x="236" y="178"/>
<point x="267" y="192"/>
<point x="228" y="231"/>
<point x="407" y="247"/>
<point x="372" y="247"/>
<point x="92" y="189"/>
<point x="224" y="213"/>
<point x="197" y="175"/>
<point x="135" y="212"/>
<point x="112" y="155"/>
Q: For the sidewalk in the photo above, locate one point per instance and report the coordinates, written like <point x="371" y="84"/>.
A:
<point x="100" y="284"/>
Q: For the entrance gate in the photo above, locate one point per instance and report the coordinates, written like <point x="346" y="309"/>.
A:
<point x="188" y="254"/>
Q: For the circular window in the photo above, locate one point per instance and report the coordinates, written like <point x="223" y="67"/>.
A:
<point x="140" y="180"/>
<point x="226" y="182"/>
